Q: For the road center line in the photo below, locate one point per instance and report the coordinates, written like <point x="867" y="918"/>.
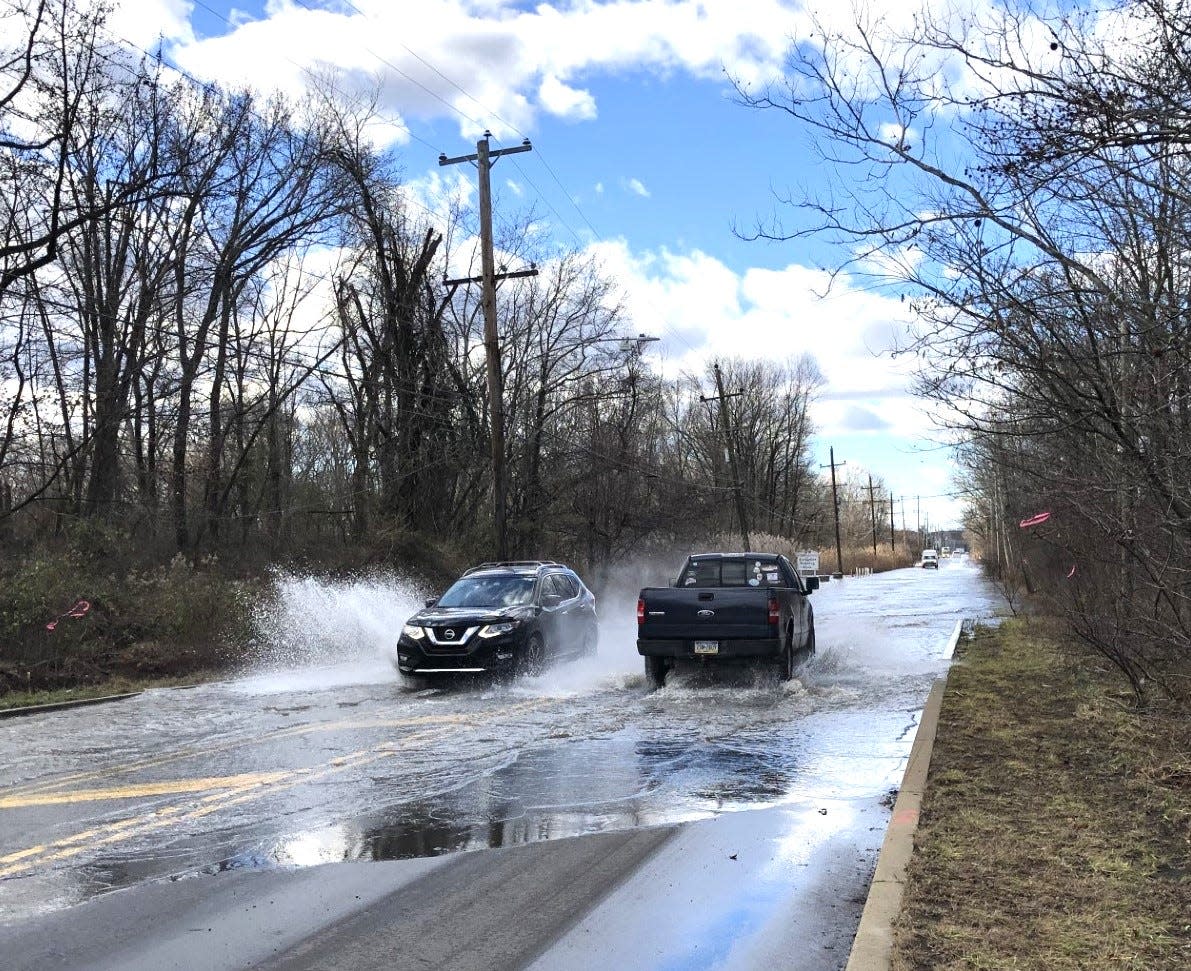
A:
<point x="294" y="731"/>
<point x="255" y="786"/>
<point x="165" y="787"/>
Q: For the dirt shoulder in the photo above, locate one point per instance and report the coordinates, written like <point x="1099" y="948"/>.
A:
<point x="1056" y="828"/>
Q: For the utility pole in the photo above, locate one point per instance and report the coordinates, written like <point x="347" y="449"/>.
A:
<point x="839" y="549"/>
<point x="918" y="506"/>
<point x="721" y="397"/>
<point x="872" y="511"/>
<point x="484" y="159"/>
<point x="892" y="538"/>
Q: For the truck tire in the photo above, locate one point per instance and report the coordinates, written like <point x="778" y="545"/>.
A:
<point x="655" y="672"/>
<point x="785" y="659"/>
<point x="808" y="650"/>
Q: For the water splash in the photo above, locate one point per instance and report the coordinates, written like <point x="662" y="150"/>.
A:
<point x="316" y="633"/>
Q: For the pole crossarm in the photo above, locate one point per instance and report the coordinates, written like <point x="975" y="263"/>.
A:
<point x="510" y="275"/>
<point x="493" y="154"/>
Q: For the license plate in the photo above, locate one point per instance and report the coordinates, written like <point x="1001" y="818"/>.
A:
<point x="707" y="647"/>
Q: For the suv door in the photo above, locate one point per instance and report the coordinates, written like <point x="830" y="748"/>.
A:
<point x="573" y="614"/>
<point x="553" y="617"/>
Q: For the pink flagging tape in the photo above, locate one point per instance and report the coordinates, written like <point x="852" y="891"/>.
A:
<point x="78" y="610"/>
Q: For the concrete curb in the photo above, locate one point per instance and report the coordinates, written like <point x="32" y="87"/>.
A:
<point x="62" y="705"/>
<point x="873" y="944"/>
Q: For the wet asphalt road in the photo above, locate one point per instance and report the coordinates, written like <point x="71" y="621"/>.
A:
<point x="726" y="821"/>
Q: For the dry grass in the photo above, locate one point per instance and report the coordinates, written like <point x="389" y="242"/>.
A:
<point x="853" y="556"/>
<point x="1056" y="830"/>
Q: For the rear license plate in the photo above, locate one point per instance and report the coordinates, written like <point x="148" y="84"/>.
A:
<point x="707" y="647"/>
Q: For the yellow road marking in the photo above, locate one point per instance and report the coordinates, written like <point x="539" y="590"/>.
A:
<point x="291" y="732"/>
<point x="254" y="786"/>
<point x="37" y="856"/>
<point x="165" y="787"/>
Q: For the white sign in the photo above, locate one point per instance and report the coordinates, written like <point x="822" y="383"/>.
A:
<point x="808" y="562"/>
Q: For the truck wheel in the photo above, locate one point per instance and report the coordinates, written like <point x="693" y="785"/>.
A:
<point x="655" y="672"/>
<point x="808" y="650"/>
<point x="785" y="660"/>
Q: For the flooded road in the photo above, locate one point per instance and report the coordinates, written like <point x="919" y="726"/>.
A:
<point x="324" y="757"/>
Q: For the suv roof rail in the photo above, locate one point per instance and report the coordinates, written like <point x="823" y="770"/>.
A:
<point x="500" y="563"/>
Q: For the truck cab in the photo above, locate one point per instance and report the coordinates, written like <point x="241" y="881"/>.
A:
<point x="727" y="608"/>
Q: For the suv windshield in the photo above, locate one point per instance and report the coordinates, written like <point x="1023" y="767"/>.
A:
<point x="503" y="590"/>
<point x="742" y="572"/>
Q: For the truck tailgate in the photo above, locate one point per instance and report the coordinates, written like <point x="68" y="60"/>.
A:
<point x="715" y="613"/>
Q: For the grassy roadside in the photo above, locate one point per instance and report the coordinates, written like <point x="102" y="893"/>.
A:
<point x="114" y="686"/>
<point x="1056" y="828"/>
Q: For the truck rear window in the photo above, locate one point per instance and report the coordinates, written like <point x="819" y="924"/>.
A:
<point x="742" y="572"/>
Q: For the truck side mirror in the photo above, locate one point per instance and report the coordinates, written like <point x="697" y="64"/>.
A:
<point x="431" y="601"/>
<point x="812" y="584"/>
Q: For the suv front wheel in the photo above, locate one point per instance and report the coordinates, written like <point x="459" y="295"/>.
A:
<point x="532" y="661"/>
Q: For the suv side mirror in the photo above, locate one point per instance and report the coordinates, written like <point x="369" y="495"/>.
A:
<point x="431" y="601"/>
<point x="812" y="584"/>
<point x="551" y="599"/>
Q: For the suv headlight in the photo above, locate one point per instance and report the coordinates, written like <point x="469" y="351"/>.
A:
<point x="413" y="632"/>
<point x="504" y="627"/>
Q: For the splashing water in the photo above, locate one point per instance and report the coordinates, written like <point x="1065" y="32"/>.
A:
<point x="320" y="633"/>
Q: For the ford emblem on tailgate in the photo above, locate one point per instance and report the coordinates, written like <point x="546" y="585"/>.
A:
<point x="706" y="613"/>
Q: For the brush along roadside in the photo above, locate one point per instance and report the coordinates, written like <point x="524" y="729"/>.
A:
<point x="1056" y="827"/>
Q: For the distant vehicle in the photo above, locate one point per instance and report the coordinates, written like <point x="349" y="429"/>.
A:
<point x="930" y="559"/>
<point x="959" y="551"/>
<point x="511" y="617"/>
<point x="728" y="608"/>
<point x="945" y="553"/>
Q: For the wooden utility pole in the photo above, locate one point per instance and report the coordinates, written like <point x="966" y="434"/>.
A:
<point x="872" y="511"/>
<point x="729" y="438"/>
<point x="892" y="538"/>
<point x="484" y="159"/>
<point x="839" y="549"/>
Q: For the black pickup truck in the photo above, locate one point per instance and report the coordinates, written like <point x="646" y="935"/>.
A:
<point x="733" y="607"/>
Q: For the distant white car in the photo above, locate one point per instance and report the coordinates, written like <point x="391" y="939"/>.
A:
<point x="930" y="559"/>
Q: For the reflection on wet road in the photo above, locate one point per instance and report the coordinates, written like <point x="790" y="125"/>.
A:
<point x="325" y="762"/>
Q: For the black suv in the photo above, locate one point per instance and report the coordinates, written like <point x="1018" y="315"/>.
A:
<point x="508" y="617"/>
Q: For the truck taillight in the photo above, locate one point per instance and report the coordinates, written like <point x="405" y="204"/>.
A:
<point x="775" y="612"/>
<point x="640" y="610"/>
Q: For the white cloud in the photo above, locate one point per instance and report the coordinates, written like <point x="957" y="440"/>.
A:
<point x="702" y="309"/>
<point x="488" y="62"/>
<point x="515" y="187"/>
<point x="144" y="22"/>
<point x="566" y="102"/>
<point x="599" y="188"/>
<point x="636" y="186"/>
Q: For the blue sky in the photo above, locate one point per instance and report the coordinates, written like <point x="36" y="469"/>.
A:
<point x="628" y="107"/>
